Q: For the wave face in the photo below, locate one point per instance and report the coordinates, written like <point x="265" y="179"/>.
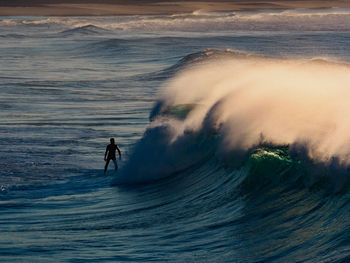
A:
<point x="229" y="107"/>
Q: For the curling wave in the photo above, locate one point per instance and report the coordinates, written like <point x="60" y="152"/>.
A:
<point x="228" y="108"/>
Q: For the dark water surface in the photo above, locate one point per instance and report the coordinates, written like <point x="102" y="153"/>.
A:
<point x="69" y="84"/>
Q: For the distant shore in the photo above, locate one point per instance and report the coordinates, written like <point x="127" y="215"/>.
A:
<point x="149" y="7"/>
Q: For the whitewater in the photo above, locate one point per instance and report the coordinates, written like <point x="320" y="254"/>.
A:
<point x="233" y="129"/>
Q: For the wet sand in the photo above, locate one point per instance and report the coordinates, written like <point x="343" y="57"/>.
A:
<point x="149" y="7"/>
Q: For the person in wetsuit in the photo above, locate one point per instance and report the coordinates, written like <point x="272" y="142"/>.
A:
<point x="110" y="154"/>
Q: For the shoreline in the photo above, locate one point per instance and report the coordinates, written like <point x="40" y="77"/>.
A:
<point x="159" y="7"/>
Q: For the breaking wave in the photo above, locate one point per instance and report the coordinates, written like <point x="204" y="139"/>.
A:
<point x="249" y="112"/>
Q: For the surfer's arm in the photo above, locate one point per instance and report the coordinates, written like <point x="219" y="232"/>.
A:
<point x="105" y="158"/>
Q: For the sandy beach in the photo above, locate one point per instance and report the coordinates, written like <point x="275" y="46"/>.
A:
<point x="148" y="7"/>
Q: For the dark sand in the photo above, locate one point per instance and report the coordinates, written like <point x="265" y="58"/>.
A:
<point x="148" y="7"/>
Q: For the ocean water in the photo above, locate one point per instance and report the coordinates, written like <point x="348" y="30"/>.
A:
<point x="233" y="129"/>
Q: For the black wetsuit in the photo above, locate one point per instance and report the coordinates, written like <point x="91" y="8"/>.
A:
<point x="111" y="149"/>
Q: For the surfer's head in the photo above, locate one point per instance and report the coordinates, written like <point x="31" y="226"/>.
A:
<point x="111" y="140"/>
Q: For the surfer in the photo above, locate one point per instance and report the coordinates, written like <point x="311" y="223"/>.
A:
<point x="110" y="154"/>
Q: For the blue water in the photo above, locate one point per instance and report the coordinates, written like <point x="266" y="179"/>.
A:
<point x="69" y="84"/>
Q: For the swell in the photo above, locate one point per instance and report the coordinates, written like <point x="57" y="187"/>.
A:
<point x="84" y="30"/>
<point x="196" y="59"/>
<point x="335" y="19"/>
<point x="233" y="107"/>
